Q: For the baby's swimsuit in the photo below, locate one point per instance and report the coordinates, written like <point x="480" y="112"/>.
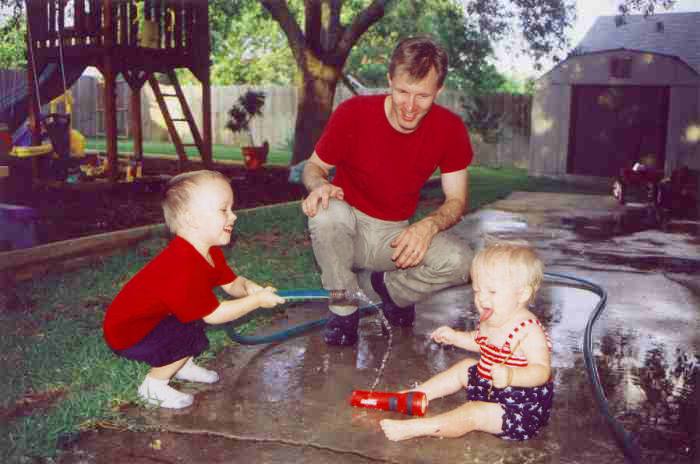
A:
<point x="525" y="409"/>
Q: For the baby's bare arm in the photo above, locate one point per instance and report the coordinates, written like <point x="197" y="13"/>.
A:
<point x="538" y="370"/>
<point x="449" y="336"/>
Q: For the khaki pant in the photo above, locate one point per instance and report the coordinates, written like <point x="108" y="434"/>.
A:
<point x="349" y="245"/>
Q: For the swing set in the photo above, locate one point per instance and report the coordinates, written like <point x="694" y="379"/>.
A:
<point x="63" y="142"/>
<point x="135" y="38"/>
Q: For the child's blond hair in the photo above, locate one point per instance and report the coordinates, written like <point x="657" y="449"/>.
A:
<point x="514" y="258"/>
<point x="178" y="194"/>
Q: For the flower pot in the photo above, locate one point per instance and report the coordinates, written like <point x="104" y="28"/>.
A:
<point x="255" y="157"/>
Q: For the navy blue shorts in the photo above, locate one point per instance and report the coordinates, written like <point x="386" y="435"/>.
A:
<point x="169" y="341"/>
<point x="525" y="409"/>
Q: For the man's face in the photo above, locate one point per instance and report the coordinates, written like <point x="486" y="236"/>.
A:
<point x="411" y="99"/>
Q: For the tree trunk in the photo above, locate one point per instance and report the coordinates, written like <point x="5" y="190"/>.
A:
<point x="314" y="108"/>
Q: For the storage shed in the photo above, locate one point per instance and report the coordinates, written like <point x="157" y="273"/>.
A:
<point x="629" y="92"/>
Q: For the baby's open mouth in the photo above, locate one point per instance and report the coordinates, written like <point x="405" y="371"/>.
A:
<point x="485" y="314"/>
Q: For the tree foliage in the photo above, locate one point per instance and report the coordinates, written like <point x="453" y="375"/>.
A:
<point x="12" y="31"/>
<point x="320" y="35"/>
<point x="445" y="20"/>
<point x="645" y="7"/>
<point x="12" y="47"/>
<point x="248" y="46"/>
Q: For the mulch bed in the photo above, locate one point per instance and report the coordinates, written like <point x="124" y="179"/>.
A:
<point x="75" y="210"/>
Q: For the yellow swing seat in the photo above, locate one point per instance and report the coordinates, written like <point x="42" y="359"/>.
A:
<point x="30" y="152"/>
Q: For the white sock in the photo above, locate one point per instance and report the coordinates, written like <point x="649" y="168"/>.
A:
<point x="194" y="373"/>
<point x="158" y="392"/>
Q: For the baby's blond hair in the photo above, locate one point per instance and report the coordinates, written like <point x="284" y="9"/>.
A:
<point x="514" y="258"/>
<point x="178" y="194"/>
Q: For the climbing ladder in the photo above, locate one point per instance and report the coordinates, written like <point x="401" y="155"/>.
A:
<point x="170" y="121"/>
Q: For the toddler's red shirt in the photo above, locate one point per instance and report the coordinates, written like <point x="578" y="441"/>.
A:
<point x="382" y="170"/>
<point x="179" y="281"/>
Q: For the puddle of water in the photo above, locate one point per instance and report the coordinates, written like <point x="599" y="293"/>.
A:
<point x="631" y="221"/>
<point x="603" y="228"/>
<point x="669" y="264"/>
<point x="651" y="376"/>
<point x="654" y="393"/>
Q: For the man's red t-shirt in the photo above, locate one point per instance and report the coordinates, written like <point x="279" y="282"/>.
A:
<point x="382" y="170"/>
<point x="179" y="281"/>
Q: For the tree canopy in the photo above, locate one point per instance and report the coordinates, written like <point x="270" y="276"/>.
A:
<point x="326" y="38"/>
<point x="249" y="46"/>
<point x="445" y="20"/>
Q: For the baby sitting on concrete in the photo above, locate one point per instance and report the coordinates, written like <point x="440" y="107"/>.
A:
<point x="509" y="387"/>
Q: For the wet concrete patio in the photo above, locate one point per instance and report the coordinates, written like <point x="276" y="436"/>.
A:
<point x="287" y="402"/>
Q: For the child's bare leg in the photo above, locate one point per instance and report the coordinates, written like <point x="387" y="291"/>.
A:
<point x="155" y="389"/>
<point x="167" y="372"/>
<point x="475" y="415"/>
<point x="448" y="381"/>
<point x="191" y="372"/>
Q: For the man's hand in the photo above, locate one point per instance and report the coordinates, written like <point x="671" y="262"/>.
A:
<point x="412" y="243"/>
<point x="267" y="298"/>
<point x="501" y="376"/>
<point x="321" y="195"/>
<point x="315" y="178"/>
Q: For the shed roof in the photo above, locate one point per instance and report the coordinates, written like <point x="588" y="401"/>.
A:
<point x="679" y="36"/>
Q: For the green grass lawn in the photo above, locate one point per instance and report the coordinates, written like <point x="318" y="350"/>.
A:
<point x="220" y="152"/>
<point x="52" y="348"/>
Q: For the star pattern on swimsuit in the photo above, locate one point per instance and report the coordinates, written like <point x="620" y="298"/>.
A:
<point x="526" y="409"/>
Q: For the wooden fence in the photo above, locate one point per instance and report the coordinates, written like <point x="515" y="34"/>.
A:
<point x="277" y="123"/>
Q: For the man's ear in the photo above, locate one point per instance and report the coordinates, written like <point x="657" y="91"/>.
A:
<point x="439" y="91"/>
<point x="388" y="78"/>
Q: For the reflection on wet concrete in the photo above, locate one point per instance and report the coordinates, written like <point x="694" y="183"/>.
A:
<point x="670" y="264"/>
<point x="657" y="401"/>
<point x="630" y="221"/>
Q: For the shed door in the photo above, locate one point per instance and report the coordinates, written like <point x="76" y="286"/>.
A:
<point x="614" y="127"/>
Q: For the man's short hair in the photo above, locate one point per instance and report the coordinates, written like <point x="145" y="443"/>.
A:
<point x="513" y="259"/>
<point x="178" y="194"/>
<point x="417" y="56"/>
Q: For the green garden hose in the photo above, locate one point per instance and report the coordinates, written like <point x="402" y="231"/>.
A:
<point x="290" y="296"/>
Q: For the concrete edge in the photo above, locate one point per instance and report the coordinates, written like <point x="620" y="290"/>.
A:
<point x="19" y="262"/>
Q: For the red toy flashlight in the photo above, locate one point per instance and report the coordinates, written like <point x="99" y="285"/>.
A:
<point x="413" y="403"/>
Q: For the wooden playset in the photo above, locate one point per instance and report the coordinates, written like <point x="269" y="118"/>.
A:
<point x="138" y="39"/>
